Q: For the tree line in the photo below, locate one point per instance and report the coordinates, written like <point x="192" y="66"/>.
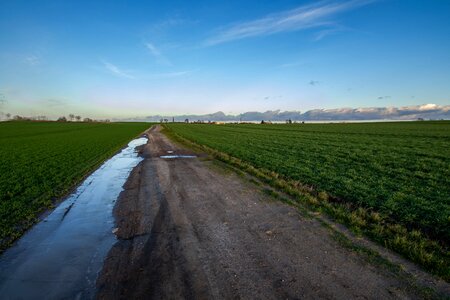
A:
<point x="69" y="118"/>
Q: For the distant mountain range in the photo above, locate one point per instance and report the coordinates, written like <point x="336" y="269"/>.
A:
<point x="426" y="112"/>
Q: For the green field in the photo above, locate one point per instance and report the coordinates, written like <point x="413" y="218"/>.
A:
<point x="388" y="180"/>
<point x="41" y="161"/>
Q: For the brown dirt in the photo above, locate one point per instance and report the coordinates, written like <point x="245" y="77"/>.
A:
<point x="187" y="230"/>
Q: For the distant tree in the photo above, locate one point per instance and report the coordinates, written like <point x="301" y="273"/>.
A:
<point x="186" y="121"/>
<point x="161" y="120"/>
<point x="61" y="119"/>
<point x="17" y="118"/>
<point x="71" y="117"/>
<point x="88" y="120"/>
<point x="8" y="115"/>
<point x="78" y="118"/>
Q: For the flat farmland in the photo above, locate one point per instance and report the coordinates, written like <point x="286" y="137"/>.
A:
<point x="42" y="161"/>
<point x="390" y="181"/>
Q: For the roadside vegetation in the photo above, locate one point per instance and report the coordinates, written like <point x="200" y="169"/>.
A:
<point x="389" y="181"/>
<point x="40" y="162"/>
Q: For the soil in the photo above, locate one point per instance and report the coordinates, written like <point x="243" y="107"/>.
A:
<point x="187" y="229"/>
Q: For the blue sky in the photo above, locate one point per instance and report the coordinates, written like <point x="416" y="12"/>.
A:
<point x="130" y="58"/>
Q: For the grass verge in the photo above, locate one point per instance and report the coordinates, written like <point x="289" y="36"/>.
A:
<point x="343" y="238"/>
<point x="412" y="244"/>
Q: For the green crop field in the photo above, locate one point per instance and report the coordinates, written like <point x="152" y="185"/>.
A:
<point x="41" y="161"/>
<point x="389" y="180"/>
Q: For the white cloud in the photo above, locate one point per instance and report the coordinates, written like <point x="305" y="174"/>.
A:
<point x="429" y="106"/>
<point x="303" y="17"/>
<point x="426" y="111"/>
<point x="157" y="54"/>
<point x="113" y="69"/>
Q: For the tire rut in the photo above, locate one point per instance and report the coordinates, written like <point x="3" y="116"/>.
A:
<point x="188" y="231"/>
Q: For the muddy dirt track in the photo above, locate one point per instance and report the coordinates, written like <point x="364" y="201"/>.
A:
<point x="189" y="229"/>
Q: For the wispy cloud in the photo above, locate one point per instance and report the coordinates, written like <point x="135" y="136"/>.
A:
<point x="171" y="74"/>
<point x="326" y="32"/>
<point x="2" y="100"/>
<point x="113" y="69"/>
<point x="292" y="64"/>
<point x="273" y="97"/>
<point x="303" y="17"/>
<point x="32" y="60"/>
<point x="171" y="22"/>
<point x="158" y="55"/>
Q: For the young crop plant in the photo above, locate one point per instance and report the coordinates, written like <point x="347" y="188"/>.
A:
<point x="42" y="161"/>
<point x="390" y="181"/>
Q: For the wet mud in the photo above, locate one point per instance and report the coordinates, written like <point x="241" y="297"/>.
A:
<point x="61" y="256"/>
<point x="189" y="231"/>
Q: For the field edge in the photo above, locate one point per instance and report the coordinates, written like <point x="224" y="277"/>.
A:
<point x="26" y="225"/>
<point x="410" y="244"/>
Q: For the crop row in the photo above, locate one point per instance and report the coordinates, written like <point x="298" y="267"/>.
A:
<point x="399" y="173"/>
<point x="41" y="162"/>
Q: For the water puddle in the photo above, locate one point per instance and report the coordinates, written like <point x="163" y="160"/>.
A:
<point x="61" y="256"/>
<point x="177" y="156"/>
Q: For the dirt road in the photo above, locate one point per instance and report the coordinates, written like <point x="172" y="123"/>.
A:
<point x="188" y="229"/>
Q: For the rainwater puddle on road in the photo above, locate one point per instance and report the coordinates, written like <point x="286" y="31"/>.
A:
<point x="177" y="156"/>
<point x="61" y="256"/>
